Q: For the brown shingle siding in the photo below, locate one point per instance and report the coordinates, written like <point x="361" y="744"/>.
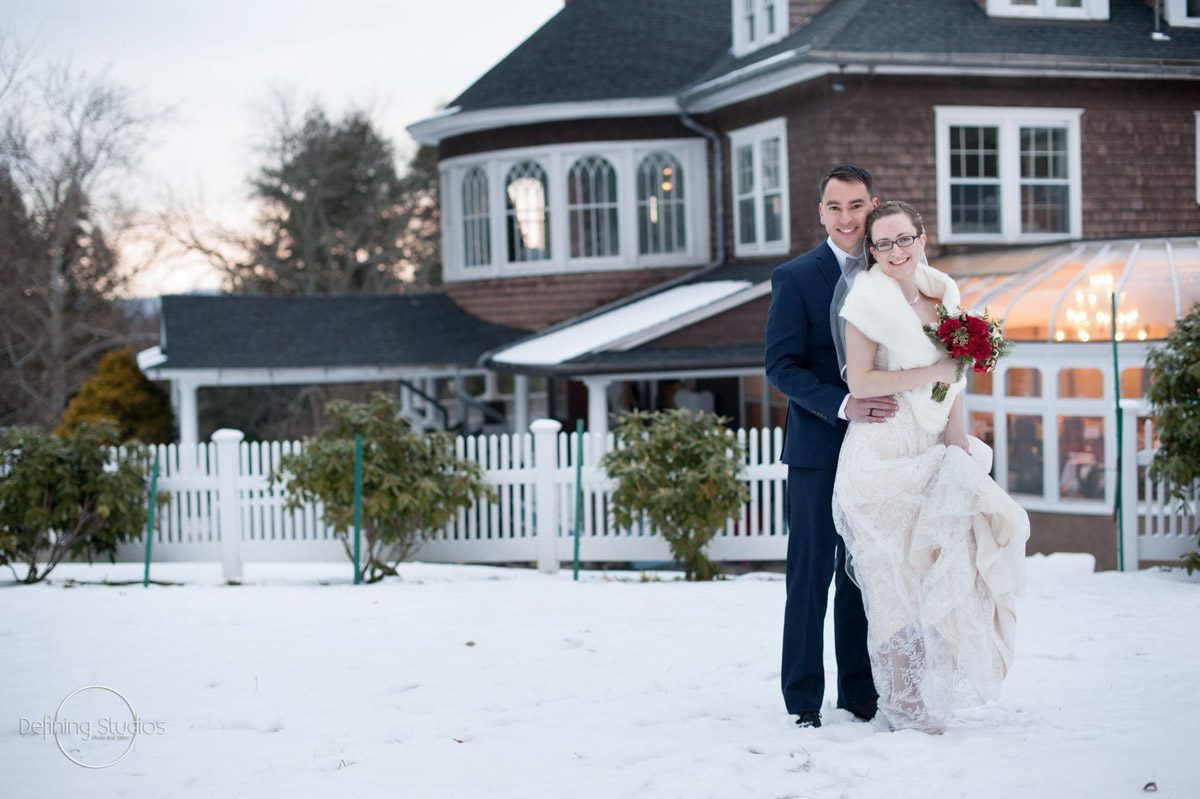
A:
<point x="535" y="302"/>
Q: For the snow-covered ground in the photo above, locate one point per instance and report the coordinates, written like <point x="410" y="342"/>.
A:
<point x="463" y="681"/>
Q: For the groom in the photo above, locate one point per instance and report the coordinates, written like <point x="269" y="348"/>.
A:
<point x="802" y="363"/>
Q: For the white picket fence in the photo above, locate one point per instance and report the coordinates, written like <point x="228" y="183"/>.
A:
<point x="1156" y="525"/>
<point x="223" y="485"/>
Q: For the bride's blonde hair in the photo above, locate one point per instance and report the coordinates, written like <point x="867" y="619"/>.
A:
<point x="891" y="208"/>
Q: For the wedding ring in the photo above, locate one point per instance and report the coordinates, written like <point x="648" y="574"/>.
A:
<point x="870" y="412"/>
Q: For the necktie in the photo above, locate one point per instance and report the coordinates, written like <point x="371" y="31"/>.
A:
<point x="853" y="265"/>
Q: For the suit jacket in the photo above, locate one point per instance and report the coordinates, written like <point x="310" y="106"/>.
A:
<point x="801" y="360"/>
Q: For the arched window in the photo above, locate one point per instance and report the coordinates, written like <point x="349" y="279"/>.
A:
<point x="661" y="219"/>
<point x="592" y="208"/>
<point x="477" y="227"/>
<point x="527" y="213"/>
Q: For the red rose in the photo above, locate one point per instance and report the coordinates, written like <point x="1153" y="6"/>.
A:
<point x="976" y="326"/>
<point x="947" y="328"/>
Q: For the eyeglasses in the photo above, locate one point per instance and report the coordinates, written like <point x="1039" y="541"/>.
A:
<point x="883" y="245"/>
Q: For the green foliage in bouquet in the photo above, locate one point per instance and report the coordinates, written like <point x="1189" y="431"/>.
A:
<point x="413" y="483"/>
<point x="75" y="495"/>
<point x="679" y="470"/>
<point x="1175" y="394"/>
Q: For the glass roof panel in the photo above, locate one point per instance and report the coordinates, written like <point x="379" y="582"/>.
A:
<point x="1071" y="285"/>
<point x="1082" y="307"/>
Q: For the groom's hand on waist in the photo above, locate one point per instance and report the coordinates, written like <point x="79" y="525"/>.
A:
<point x="870" y="409"/>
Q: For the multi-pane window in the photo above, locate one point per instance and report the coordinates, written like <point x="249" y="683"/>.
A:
<point x="1045" y="188"/>
<point x="1008" y="174"/>
<point x="661" y="213"/>
<point x="527" y="213"/>
<point x="974" y="179"/>
<point x="760" y="188"/>
<point x="750" y="19"/>
<point x="476" y="223"/>
<point x="614" y="205"/>
<point x="592" y="208"/>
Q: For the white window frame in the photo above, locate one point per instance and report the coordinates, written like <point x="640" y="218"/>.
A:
<point x="556" y="160"/>
<point x="764" y="11"/>
<point x="1009" y="121"/>
<point x="1197" y="126"/>
<point x="1177" y="16"/>
<point x="1048" y="9"/>
<point x="754" y="136"/>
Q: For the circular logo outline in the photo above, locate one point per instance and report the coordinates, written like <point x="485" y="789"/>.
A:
<point x="119" y="695"/>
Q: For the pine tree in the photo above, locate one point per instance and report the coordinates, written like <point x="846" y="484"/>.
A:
<point x="120" y="393"/>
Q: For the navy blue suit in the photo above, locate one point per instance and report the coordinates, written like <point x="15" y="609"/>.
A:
<point x="802" y="363"/>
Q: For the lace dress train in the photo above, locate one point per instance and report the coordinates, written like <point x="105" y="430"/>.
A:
<point x="937" y="549"/>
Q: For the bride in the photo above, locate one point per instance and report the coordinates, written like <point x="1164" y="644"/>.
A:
<point x="936" y="547"/>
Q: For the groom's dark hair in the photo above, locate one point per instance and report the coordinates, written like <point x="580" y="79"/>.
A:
<point x="850" y="174"/>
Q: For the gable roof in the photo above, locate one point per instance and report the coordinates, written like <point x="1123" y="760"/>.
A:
<point x="230" y="332"/>
<point x="900" y="31"/>
<point x="607" y="58"/>
<point x="605" y="50"/>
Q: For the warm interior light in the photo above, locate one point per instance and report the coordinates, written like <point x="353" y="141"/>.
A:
<point x="1090" y="317"/>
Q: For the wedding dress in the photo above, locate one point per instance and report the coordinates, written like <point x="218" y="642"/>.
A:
<point x="935" y="545"/>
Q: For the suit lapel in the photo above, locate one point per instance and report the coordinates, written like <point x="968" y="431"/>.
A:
<point x="827" y="265"/>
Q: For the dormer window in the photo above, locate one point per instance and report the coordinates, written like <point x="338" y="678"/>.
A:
<point x="757" y="23"/>
<point x="1049" y="9"/>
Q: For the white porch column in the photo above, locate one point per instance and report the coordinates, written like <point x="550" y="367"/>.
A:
<point x="429" y="386"/>
<point x="406" y="401"/>
<point x="520" y="403"/>
<point x="187" y="413"/>
<point x="597" y="421"/>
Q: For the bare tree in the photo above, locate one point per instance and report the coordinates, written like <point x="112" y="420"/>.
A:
<point x="66" y="140"/>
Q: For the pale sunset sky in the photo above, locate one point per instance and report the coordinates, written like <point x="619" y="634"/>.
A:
<point x="215" y="63"/>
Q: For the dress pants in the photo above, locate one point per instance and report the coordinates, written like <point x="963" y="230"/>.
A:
<point x="815" y="555"/>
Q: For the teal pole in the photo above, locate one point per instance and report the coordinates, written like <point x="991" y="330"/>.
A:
<point x="1120" y="437"/>
<point x="358" y="458"/>
<point x="153" y="502"/>
<point x="578" y="494"/>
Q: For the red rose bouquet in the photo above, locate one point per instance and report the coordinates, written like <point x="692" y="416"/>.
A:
<point x="967" y="338"/>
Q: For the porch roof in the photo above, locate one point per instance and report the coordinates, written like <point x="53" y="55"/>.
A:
<point x="267" y="332"/>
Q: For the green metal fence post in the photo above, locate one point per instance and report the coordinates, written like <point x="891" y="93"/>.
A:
<point x="358" y="459"/>
<point x="1120" y="438"/>
<point x="153" y="502"/>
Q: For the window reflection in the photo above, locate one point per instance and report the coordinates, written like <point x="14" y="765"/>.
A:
<point x="1135" y="383"/>
<point x="1025" y="454"/>
<point x="1081" y="457"/>
<point x="1080" y="384"/>
<point x="983" y="427"/>
<point x="979" y="382"/>
<point x="1023" y="382"/>
<point x="528" y="217"/>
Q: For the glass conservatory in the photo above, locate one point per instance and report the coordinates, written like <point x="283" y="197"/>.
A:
<point x="1049" y="409"/>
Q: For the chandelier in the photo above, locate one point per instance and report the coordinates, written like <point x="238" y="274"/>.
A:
<point x="1089" y="314"/>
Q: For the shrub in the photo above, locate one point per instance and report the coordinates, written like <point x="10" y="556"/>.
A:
<point x="121" y="394"/>
<point x="76" y="495"/>
<point x="1175" y="393"/>
<point x="678" y="469"/>
<point x="412" y="482"/>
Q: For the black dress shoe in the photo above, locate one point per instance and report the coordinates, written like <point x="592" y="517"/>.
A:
<point x="808" y="718"/>
<point x="864" y="711"/>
